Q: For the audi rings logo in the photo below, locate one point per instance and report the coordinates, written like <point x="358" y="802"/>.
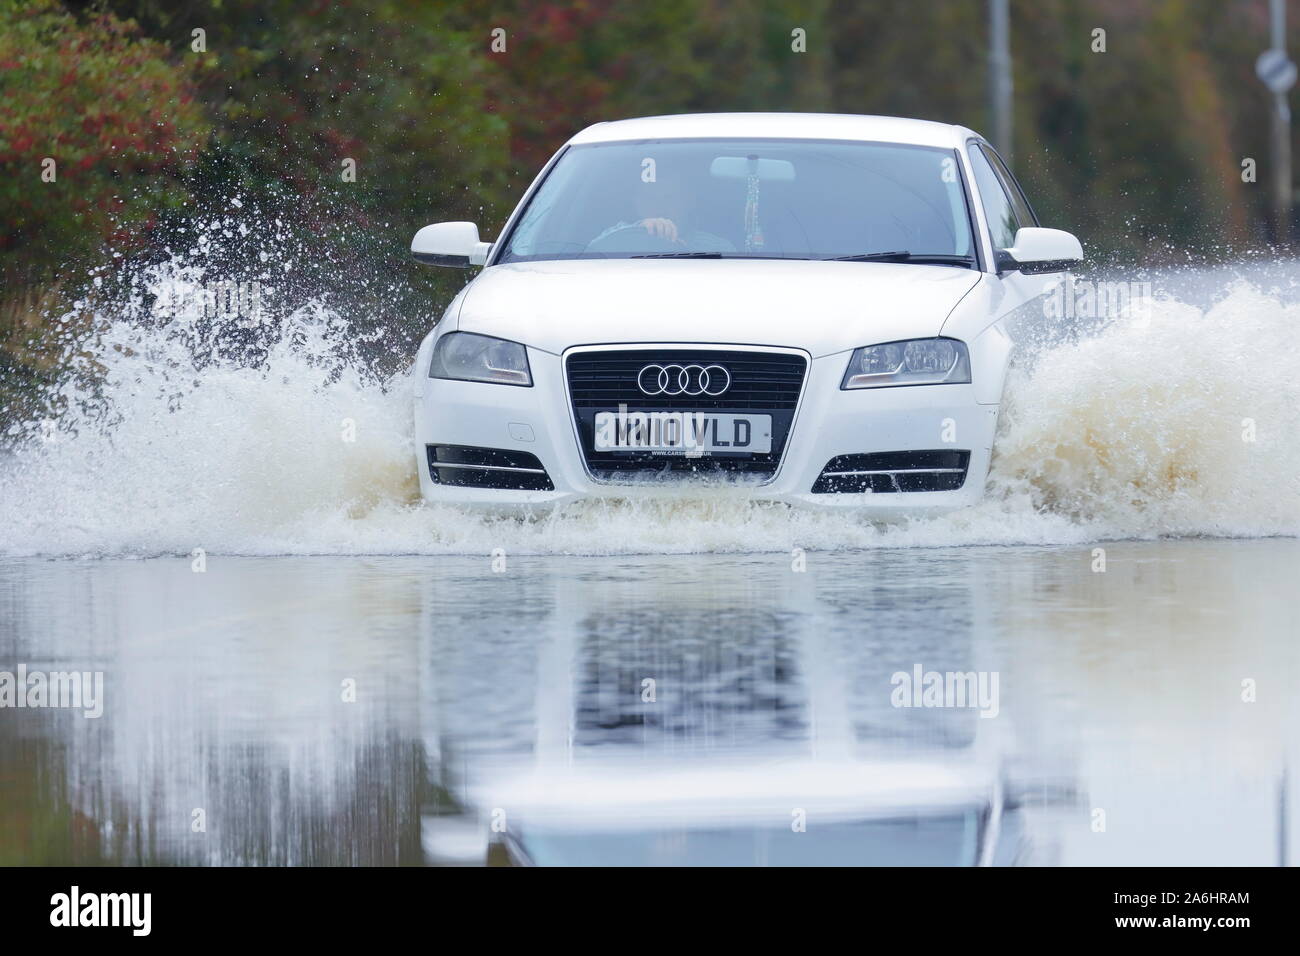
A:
<point x="683" y="380"/>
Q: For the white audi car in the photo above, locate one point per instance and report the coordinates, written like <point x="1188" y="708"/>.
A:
<point x="815" y="309"/>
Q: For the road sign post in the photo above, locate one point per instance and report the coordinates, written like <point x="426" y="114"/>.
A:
<point x="1277" y="72"/>
<point x="1000" y="77"/>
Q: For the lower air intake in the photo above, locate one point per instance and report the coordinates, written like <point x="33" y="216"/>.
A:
<point x="893" y="471"/>
<point x="466" y="467"/>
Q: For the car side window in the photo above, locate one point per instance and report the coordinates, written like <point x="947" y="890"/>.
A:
<point x="1024" y="215"/>
<point x="998" y="210"/>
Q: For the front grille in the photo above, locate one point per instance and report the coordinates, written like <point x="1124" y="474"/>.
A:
<point x="893" y="471"/>
<point x="761" y="382"/>
<point x="466" y="467"/>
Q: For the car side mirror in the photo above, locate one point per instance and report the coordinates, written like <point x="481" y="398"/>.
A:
<point x="1040" y="250"/>
<point x="453" y="244"/>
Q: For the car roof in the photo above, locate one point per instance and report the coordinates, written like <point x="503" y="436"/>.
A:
<point x="836" y="126"/>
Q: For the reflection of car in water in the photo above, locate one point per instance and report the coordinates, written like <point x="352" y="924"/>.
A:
<point x="937" y="809"/>
<point x="821" y="309"/>
<point x="888" y="813"/>
<point x="765" y="743"/>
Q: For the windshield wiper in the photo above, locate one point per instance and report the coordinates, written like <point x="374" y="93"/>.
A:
<point x="678" y="255"/>
<point x="924" y="258"/>
<point x="712" y="255"/>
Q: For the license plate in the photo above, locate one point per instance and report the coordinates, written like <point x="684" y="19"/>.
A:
<point x="683" y="433"/>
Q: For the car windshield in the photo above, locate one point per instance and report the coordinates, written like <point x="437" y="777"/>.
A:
<point x="764" y="199"/>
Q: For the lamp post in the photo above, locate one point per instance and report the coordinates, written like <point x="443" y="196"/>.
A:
<point x="1000" y="76"/>
<point x="1276" y="71"/>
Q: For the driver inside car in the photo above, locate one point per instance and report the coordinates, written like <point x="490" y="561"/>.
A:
<point x="665" y="208"/>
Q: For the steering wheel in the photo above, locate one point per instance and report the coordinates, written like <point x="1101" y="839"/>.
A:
<point x="634" y="239"/>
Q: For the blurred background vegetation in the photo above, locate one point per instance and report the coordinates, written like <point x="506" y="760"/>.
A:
<point x="234" y="146"/>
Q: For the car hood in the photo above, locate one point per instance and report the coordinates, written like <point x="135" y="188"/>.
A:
<point x="823" y="307"/>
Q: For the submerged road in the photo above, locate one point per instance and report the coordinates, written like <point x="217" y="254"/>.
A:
<point x="951" y="705"/>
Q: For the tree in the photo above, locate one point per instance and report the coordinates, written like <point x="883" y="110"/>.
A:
<point x="96" y="126"/>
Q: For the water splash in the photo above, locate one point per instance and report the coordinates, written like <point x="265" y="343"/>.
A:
<point x="181" y="434"/>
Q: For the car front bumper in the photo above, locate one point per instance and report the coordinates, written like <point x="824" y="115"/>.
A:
<point x="828" y="423"/>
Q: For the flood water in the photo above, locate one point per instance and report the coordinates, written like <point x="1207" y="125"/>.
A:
<point x="302" y="664"/>
<point x="443" y="709"/>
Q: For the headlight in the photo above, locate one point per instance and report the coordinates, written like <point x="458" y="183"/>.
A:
<point x="917" y="362"/>
<point x="479" y="358"/>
